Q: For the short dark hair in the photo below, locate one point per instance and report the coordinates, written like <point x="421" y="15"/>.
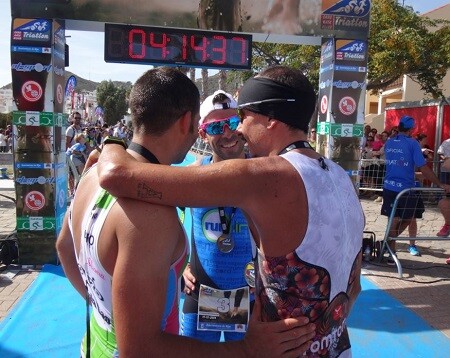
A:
<point x="295" y="78"/>
<point x="160" y="97"/>
<point x="421" y="136"/>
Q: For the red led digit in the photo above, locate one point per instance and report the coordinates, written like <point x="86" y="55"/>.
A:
<point x="160" y="44"/>
<point x="136" y="40"/>
<point x="243" y="48"/>
<point x="201" y="47"/>
<point x="220" y="49"/>
<point x="179" y="47"/>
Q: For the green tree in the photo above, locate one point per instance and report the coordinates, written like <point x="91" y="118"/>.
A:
<point x="400" y="43"/>
<point x="404" y="43"/>
<point x="5" y="119"/>
<point x="113" y="100"/>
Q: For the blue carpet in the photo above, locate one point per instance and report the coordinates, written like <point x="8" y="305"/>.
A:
<point x="48" y="321"/>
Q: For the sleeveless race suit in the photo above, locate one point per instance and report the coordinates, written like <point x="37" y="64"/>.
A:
<point x="212" y="267"/>
<point x="103" y="338"/>
<point x="316" y="280"/>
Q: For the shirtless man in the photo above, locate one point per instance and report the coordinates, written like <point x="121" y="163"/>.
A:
<point x="131" y="254"/>
<point x="302" y="209"/>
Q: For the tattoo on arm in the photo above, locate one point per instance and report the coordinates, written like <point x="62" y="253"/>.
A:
<point x="145" y="192"/>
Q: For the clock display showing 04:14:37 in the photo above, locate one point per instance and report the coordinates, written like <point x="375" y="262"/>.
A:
<point x="178" y="47"/>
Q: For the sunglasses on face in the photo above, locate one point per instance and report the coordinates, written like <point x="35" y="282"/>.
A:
<point x="270" y="100"/>
<point x="217" y="126"/>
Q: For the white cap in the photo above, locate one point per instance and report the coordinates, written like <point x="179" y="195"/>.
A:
<point x="207" y="106"/>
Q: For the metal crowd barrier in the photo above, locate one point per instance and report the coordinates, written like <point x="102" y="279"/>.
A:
<point x="373" y="171"/>
<point x="427" y="227"/>
<point x="201" y="147"/>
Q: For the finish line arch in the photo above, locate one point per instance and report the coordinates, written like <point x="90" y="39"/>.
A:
<point x="38" y="60"/>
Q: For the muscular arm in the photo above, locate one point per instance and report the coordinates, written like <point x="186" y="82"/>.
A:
<point x="66" y="254"/>
<point x="234" y="182"/>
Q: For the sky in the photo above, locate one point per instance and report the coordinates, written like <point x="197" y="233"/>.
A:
<point x="86" y="49"/>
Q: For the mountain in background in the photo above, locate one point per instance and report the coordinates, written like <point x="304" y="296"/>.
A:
<point x="212" y="84"/>
<point x="84" y="84"/>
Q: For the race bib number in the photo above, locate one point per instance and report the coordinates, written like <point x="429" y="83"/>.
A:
<point x="223" y="310"/>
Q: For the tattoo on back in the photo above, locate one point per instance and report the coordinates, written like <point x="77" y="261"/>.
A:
<point x="144" y="192"/>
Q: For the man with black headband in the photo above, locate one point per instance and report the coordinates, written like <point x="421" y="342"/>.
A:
<point x="302" y="209"/>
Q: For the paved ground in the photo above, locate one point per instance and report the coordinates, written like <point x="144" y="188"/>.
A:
<point x="424" y="288"/>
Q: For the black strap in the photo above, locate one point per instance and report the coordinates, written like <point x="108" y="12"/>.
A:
<point x="296" y="145"/>
<point x="139" y="149"/>
<point x="226" y="226"/>
<point x="301" y="144"/>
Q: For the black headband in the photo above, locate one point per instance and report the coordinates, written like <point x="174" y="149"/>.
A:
<point x="278" y="101"/>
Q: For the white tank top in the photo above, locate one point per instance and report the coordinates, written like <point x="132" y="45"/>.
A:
<point x="317" y="279"/>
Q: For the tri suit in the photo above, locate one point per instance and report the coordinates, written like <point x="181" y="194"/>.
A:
<point x="212" y="267"/>
<point x="317" y="279"/>
<point x="102" y="333"/>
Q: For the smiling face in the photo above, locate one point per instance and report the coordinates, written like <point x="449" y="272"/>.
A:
<point x="253" y="128"/>
<point x="229" y="144"/>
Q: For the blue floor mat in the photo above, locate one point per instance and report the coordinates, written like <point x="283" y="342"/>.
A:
<point x="49" y="321"/>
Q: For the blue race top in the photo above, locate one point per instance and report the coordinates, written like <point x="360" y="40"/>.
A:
<point x="403" y="154"/>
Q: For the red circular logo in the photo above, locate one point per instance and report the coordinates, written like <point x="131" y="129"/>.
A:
<point x="347" y="105"/>
<point x="324" y="104"/>
<point x="31" y="91"/>
<point x="35" y="200"/>
<point x="59" y="93"/>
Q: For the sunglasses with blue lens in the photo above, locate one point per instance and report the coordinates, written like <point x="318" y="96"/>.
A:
<point x="217" y="126"/>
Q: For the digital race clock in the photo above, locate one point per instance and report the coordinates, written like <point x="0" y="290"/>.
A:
<point x="177" y="47"/>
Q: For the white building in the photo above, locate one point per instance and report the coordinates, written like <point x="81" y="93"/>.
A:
<point x="6" y="100"/>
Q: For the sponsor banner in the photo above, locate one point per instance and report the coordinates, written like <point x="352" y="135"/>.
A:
<point x="31" y="49"/>
<point x="360" y="69"/>
<point x="60" y="197"/>
<point x="348" y="84"/>
<point x="36" y="180"/>
<point x="326" y="77"/>
<point x="25" y="165"/>
<point x="31" y="66"/>
<point x="70" y="88"/>
<point x="34" y="200"/>
<point x="39" y="119"/>
<point x="58" y="69"/>
<point x="339" y="18"/>
<point x="346" y="15"/>
<point x="33" y="118"/>
<point x="35" y="223"/>
<point x="38" y="67"/>
<point x="31" y="31"/>
<point x="340" y="130"/>
<point x="349" y="81"/>
<point x="348" y="50"/>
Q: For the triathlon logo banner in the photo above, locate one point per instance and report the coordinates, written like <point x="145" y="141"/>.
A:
<point x="346" y="15"/>
<point x="31" y="31"/>
<point x="349" y="86"/>
<point x="339" y="18"/>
